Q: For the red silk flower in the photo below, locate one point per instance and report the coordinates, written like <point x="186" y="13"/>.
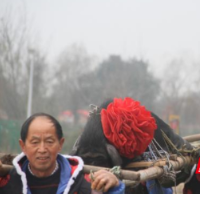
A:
<point x="128" y="126"/>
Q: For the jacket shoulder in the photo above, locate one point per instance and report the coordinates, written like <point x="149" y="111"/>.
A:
<point x="81" y="185"/>
<point x="11" y="184"/>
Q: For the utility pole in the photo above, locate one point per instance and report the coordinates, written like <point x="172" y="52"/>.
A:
<point x="30" y="91"/>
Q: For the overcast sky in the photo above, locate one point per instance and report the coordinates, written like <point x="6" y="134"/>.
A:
<point x="156" y="30"/>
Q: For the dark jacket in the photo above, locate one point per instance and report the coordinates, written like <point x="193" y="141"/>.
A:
<point x="192" y="185"/>
<point x="72" y="179"/>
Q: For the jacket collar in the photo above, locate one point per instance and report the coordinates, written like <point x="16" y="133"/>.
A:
<point x="67" y="177"/>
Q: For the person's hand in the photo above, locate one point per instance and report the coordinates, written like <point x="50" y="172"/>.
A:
<point x="104" y="180"/>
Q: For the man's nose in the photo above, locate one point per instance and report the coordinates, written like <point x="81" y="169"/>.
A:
<point x="42" y="147"/>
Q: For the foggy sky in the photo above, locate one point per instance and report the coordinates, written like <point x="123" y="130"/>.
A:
<point x="156" y="30"/>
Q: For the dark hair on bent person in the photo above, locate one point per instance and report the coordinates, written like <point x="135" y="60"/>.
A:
<point x="25" y="126"/>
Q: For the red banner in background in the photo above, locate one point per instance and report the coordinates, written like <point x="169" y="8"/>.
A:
<point x="174" y="122"/>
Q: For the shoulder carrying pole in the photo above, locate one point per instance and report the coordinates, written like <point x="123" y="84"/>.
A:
<point x="130" y="177"/>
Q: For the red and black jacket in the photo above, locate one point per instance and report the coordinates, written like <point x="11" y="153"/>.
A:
<point x="73" y="180"/>
<point x="192" y="185"/>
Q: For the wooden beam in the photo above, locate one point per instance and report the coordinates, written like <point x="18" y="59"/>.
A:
<point x="130" y="177"/>
<point x="7" y="154"/>
<point x="125" y="174"/>
<point x="192" y="138"/>
<point x="4" y="169"/>
<point x="145" y="164"/>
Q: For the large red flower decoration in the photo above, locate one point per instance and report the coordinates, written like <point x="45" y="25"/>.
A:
<point x="128" y="126"/>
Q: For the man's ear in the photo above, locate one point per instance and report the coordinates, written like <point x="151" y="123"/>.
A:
<point x="22" y="145"/>
<point x="62" y="140"/>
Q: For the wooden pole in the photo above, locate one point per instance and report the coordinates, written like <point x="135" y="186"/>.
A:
<point x="149" y="173"/>
<point x="145" y="164"/>
<point x="125" y="174"/>
<point x="133" y="177"/>
<point x="7" y="154"/>
<point x="4" y="169"/>
<point x="192" y="138"/>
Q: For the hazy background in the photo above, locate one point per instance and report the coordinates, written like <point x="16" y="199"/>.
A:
<point x="85" y="51"/>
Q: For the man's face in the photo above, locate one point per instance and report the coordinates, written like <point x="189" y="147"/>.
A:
<point x="42" y="146"/>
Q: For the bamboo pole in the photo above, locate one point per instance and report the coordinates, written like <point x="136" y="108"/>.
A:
<point x="145" y="164"/>
<point x="125" y="174"/>
<point x="6" y="154"/>
<point x="131" y="177"/>
<point x="4" y="169"/>
<point x="192" y="138"/>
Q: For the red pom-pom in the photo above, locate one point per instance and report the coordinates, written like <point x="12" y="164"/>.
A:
<point x="128" y="126"/>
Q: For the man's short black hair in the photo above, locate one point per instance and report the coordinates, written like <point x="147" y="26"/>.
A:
<point x="25" y="126"/>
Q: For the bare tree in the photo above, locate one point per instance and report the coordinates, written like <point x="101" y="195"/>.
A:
<point x="120" y="78"/>
<point x="72" y="64"/>
<point x="13" y="44"/>
<point x="179" y="94"/>
<point x="15" y="59"/>
<point x="174" y="85"/>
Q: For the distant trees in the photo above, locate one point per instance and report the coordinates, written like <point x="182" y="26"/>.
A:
<point x="73" y="82"/>
<point x="180" y="94"/>
<point x="12" y="57"/>
<point x="131" y="78"/>
<point x="77" y="85"/>
<point x="71" y="66"/>
<point x="15" y="59"/>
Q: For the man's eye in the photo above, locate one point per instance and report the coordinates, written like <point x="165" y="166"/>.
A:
<point x="34" y="142"/>
<point x="49" y="142"/>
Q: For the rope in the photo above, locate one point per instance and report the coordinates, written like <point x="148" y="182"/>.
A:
<point x="169" y="173"/>
<point x="94" y="110"/>
<point x="91" y="175"/>
<point x="193" y="152"/>
<point x="169" y="142"/>
<point x="116" y="170"/>
<point x="154" y="143"/>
